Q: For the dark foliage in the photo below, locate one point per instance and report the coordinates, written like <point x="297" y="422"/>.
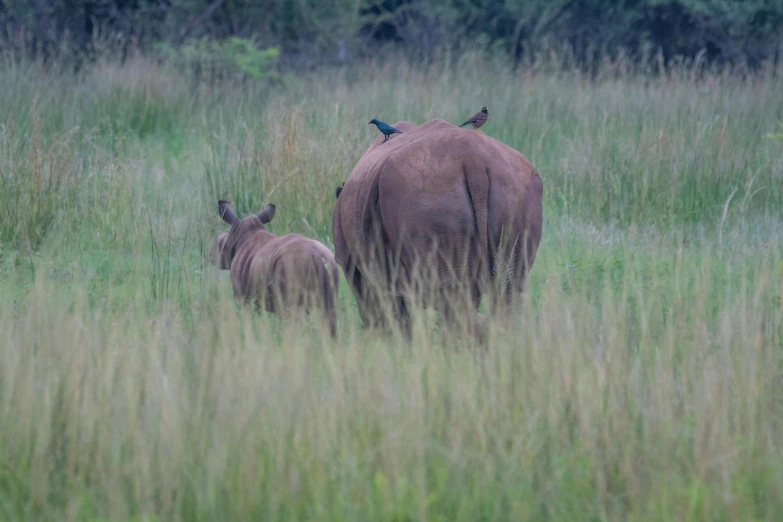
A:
<point x="311" y="32"/>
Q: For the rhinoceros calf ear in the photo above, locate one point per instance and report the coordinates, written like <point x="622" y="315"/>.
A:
<point x="267" y="214"/>
<point x="215" y="255"/>
<point x="227" y="213"/>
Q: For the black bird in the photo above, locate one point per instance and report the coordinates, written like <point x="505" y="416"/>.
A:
<point x="385" y="128"/>
<point x="337" y="192"/>
<point x="478" y="119"/>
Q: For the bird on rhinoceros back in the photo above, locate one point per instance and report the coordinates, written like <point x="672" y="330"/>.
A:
<point x="442" y="222"/>
<point x="385" y="128"/>
<point x="478" y="119"/>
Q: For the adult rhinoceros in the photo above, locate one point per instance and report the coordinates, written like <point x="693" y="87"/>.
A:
<point x="439" y="214"/>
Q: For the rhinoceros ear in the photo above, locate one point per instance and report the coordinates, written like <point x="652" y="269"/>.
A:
<point x="267" y="214"/>
<point x="215" y="255"/>
<point x="225" y="211"/>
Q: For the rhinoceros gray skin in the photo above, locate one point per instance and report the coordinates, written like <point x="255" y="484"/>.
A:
<point x="440" y="216"/>
<point x="277" y="272"/>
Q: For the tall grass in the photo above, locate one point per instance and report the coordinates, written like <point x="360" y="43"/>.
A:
<point x="37" y="180"/>
<point x="648" y="403"/>
<point x="641" y="380"/>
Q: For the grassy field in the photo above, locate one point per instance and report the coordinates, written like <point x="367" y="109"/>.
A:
<point x="642" y="380"/>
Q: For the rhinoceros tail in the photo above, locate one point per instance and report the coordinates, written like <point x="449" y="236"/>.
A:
<point x="328" y="281"/>
<point x="324" y="275"/>
<point x="477" y="181"/>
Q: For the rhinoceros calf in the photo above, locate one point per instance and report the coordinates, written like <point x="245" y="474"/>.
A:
<point x="277" y="272"/>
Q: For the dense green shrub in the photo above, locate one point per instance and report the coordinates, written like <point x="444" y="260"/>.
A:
<point x="311" y="32"/>
<point x="237" y="57"/>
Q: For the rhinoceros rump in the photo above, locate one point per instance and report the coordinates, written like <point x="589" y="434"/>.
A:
<point x="439" y="215"/>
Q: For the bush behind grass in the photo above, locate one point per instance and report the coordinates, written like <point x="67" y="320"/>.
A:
<point x="641" y="379"/>
<point x="625" y="148"/>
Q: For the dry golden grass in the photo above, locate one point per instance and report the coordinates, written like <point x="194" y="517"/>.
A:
<point x="641" y="380"/>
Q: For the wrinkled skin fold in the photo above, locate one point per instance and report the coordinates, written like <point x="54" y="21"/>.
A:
<point x="440" y="217"/>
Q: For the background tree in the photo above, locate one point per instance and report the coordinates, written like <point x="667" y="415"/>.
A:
<point x="311" y="32"/>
